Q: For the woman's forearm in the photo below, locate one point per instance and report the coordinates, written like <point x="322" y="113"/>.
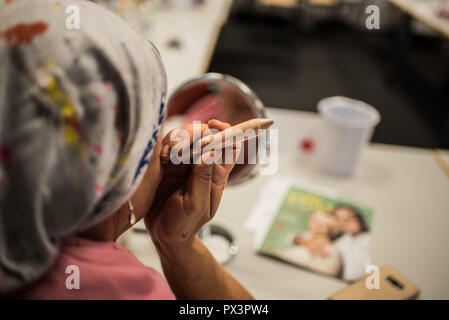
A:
<point x="193" y="273"/>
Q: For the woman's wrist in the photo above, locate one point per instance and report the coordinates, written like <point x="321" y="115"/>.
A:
<point x="177" y="251"/>
<point x="193" y="273"/>
<point x="193" y="261"/>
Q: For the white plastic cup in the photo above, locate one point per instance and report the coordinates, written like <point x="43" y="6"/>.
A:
<point x="348" y="125"/>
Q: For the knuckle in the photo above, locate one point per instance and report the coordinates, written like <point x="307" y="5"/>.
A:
<point x="203" y="172"/>
<point x="190" y="206"/>
<point x="206" y="174"/>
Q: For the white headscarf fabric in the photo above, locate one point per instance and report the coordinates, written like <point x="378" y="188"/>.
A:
<point x="80" y="112"/>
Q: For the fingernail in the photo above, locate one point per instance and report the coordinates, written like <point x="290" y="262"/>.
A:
<point x="208" y="158"/>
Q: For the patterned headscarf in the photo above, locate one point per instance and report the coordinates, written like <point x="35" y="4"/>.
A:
<point x="80" y="112"/>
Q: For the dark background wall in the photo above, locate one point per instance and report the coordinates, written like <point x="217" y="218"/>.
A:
<point x="293" y="63"/>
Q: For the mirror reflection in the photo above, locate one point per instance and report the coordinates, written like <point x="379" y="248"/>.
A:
<point x="221" y="97"/>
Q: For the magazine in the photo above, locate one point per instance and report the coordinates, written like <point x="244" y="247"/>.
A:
<point x="327" y="235"/>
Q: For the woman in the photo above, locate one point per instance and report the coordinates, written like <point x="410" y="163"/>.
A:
<point x="80" y="146"/>
<point x="314" y="249"/>
<point x="353" y="243"/>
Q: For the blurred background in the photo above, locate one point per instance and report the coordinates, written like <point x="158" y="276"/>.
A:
<point x="294" y="53"/>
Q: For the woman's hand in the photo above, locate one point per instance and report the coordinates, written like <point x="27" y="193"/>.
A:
<point x="189" y="194"/>
<point x="187" y="198"/>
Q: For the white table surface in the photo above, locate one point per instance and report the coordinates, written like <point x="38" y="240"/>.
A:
<point x="424" y="11"/>
<point x="405" y="186"/>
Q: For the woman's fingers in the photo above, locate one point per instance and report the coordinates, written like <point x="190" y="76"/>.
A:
<point x="180" y="138"/>
<point x="199" y="184"/>
<point x="228" y="155"/>
<point x="220" y="178"/>
<point x="170" y="137"/>
<point x="217" y="124"/>
<point x="228" y="159"/>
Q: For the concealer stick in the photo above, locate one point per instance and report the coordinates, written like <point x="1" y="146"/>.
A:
<point x="230" y="136"/>
<point x="237" y="131"/>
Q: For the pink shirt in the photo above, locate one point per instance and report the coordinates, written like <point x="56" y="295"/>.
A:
<point x="107" y="270"/>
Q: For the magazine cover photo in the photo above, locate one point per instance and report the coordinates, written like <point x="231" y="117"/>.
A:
<point x="329" y="236"/>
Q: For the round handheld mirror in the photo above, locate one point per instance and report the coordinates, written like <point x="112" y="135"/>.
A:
<point x="221" y="97"/>
<point x="225" y="98"/>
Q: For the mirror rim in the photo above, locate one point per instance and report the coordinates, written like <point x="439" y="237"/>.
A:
<point x="256" y="106"/>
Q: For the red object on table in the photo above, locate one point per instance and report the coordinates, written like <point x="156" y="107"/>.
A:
<point x="307" y="145"/>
